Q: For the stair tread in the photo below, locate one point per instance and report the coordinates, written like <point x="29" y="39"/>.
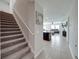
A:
<point x="11" y="41"/>
<point x="8" y="49"/>
<point x="9" y="22"/>
<point x="13" y="51"/>
<point x="6" y="22"/>
<point x="2" y="12"/>
<point x="9" y="29"/>
<point x="9" y="18"/>
<point x="10" y="33"/>
<point x="9" y="25"/>
<point x="3" y="46"/>
<point x="11" y="37"/>
<point x="18" y="55"/>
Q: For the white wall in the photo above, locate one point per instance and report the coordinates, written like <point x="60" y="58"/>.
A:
<point x="25" y="9"/>
<point x="38" y="32"/>
<point x="4" y="6"/>
<point x="11" y="5"/>
<point x="27" y="22"/>
<point x="73" y="29"/>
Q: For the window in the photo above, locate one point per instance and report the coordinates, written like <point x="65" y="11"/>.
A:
<point x="54" y="26"/>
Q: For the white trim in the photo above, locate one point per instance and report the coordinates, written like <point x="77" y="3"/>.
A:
<point x="6" y="11"/>
<point x="72" y="53"/>
<point x="23" y="21"/>
<point x="21" y="28"/>
<point x="37" y="54"/>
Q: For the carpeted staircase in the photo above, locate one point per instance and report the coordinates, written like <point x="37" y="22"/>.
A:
<point x="12" y="42"/>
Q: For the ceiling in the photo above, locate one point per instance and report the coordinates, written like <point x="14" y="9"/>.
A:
<point x="56" y="9"/>
<point x="5" y="1"/>
<point x="4" y="6"/>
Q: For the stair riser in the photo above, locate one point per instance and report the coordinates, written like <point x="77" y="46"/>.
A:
<point x="13" y="51"/>
<point x="8" y="21"/>
<point x="9" y="26"/>
<point x="8" y="29"/>
<point x="12" y="44"/>
<point x="11" y="38"/>
<point x="14" y="33"/>
<point x="6" y="16"/>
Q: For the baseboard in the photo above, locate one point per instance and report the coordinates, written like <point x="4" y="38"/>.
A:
<point x="38" y="53"/>
<point x="6" y="11"/>
<point x="71" y="53"/>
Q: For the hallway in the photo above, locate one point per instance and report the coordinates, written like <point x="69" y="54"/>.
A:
<point x="23" y="32"/>
<point x="57" y="48"/>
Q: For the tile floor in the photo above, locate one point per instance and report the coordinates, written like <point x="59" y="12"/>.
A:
<point x="57" y="48"/>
